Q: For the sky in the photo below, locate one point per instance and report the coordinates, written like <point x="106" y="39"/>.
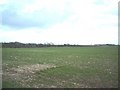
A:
<point x="59" y="21"/>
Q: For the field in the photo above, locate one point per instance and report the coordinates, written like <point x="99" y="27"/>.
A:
<point x="60" y="67"/>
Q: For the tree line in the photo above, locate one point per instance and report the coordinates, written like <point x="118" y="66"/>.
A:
<point x="34" y="45"/>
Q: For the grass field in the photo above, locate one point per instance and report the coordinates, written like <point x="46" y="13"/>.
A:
<point x="63" y="67"/>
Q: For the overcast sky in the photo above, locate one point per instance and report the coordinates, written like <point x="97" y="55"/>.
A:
<point x="59" y="21"/>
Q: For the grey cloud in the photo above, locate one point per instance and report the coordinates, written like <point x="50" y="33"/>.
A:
<point x="10" y="18"/>
<point x="42" y="18"/>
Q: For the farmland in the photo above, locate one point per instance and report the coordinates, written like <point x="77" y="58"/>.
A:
<point x="60" y="67"/>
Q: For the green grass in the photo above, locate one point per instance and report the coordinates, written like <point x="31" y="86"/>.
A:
<point x="76" y="67"/>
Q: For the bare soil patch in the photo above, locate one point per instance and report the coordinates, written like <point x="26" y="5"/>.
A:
<point x="32" y="68"/>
